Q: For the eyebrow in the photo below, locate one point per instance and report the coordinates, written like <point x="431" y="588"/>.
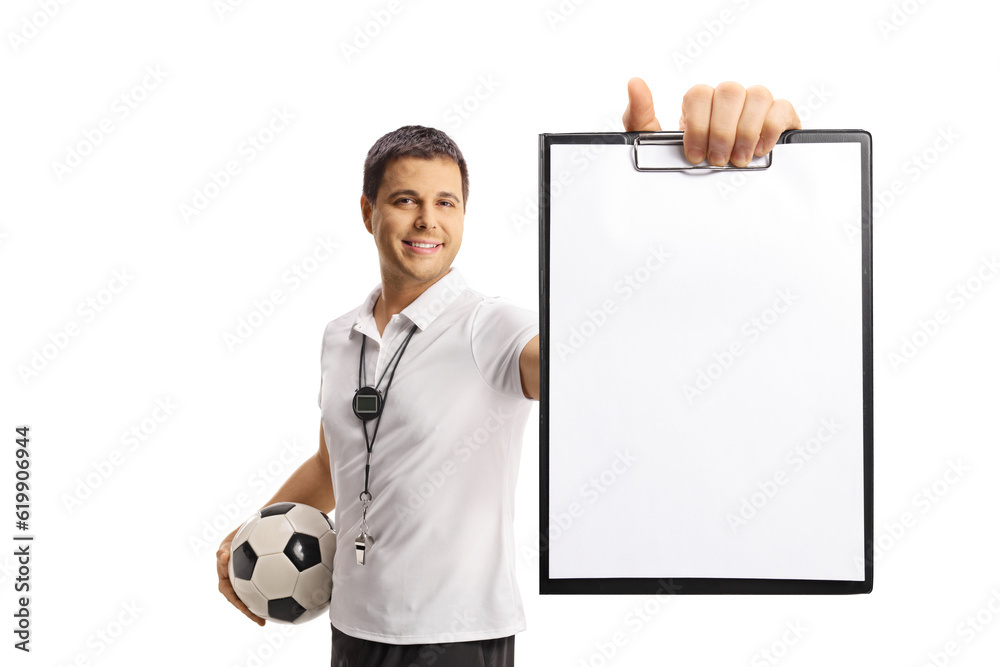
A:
<point x="414" y="193"/>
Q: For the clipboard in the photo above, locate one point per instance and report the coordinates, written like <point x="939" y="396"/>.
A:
<point x="706" y="367"/>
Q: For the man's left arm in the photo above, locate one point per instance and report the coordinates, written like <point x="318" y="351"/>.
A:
<point x="531" y="383"/>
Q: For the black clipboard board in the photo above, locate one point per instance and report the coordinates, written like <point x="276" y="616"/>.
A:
<point x="700" y="327"/>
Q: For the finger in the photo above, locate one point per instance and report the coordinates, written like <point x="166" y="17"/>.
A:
<point x="755" y="107"/>
<point x="639" y="115"/>
<point x="780" y="117"/>
<point x="727" y="105"/>
<point x="249" y="614"/>
<point x="246" y="612"/>
<point x="222" y="563"/>
<point x="696" y="110"/>
<point x="681" y="124"/>
<point x="226" y="588"/>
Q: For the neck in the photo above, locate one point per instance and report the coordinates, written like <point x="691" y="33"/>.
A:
<point x="394" y="298"/>
<point x="390" y="303"/>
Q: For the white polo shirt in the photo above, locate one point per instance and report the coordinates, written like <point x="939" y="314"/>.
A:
<point x="444" y="466"/>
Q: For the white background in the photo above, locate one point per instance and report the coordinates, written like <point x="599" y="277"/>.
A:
<point x="129" y="550"/>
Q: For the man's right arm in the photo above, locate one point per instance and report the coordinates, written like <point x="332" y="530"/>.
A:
<point x="310" y="484"/>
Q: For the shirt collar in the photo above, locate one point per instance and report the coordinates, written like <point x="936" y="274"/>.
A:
<point x="422" y="311"/>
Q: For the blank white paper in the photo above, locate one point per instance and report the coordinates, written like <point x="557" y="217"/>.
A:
<point x="749" y="281"/>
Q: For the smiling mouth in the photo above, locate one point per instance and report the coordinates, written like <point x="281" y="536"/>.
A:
<point x="422" y="245"/>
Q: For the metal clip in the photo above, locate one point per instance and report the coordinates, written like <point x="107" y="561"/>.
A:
<point x="674" y="138"/>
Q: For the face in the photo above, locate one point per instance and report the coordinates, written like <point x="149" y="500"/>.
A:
<point x="418" y="200"/>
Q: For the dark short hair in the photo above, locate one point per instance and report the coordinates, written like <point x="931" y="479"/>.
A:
<point x="410" y="140"/>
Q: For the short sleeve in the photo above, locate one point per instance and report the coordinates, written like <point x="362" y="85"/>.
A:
<point x="322" y="345"/>
<point x="500" y="330"/>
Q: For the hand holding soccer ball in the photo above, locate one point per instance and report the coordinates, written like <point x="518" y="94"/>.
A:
<point x="279" y="564"/>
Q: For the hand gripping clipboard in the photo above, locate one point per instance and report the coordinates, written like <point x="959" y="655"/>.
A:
<point x="706" y="367"/>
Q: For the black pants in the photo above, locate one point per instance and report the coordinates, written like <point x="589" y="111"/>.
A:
<point x="350" y="651"/>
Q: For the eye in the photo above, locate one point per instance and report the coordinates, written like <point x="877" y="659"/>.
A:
<point x="448" y="202"/>
<point x="403" y="199"/>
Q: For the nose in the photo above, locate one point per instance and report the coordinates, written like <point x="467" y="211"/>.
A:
<point x="425" y="216"/>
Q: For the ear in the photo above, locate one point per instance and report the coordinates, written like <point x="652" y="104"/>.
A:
<point x="366" y="214"/>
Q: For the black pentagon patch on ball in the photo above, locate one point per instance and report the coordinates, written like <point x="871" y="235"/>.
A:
<point x="284" y="609"/>
<point x="276" y="508"/>
<point x="303" y="551"/>
<point x="244" y="559"/>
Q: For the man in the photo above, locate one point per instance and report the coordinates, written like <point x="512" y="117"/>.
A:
<point x="424" y="572"/>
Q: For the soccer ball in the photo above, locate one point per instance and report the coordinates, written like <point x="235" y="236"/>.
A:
<point x="281" y="562"/>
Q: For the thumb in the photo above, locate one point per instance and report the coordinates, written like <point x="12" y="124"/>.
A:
<point x="639" y="115"/>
